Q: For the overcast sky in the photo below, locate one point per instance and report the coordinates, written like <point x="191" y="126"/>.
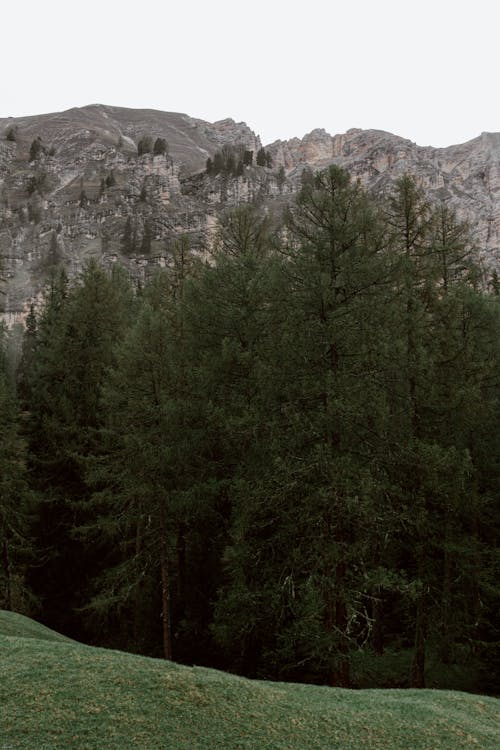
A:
<point x="427" y="70"/>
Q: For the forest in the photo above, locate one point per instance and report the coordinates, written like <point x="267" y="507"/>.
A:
<point x="280" y="458"/>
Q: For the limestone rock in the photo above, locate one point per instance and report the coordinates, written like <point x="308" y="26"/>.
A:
<point x="87" y="182"/>
<point x="466" y="176"/>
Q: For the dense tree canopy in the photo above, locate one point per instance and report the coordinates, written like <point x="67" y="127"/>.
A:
<point x="281" y="460"/>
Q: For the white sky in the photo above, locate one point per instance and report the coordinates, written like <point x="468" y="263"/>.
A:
<point x="427" y="70"/>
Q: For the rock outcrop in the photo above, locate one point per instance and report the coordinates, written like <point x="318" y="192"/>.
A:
<point x="72" y="185"/>
<point x="466" y="176"/>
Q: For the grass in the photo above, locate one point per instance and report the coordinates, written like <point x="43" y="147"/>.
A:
<point x="58" y="694"/>
<point x="12" y="624"/>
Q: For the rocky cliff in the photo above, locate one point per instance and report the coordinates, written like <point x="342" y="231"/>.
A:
<point x="466" y="176"/>
<point x="73" y="185"/>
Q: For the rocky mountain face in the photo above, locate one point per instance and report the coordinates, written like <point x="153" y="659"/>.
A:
<point x="73" y="185"/>
<point x="466" y="176"/>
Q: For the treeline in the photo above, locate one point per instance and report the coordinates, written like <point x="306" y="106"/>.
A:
<point x="276" y="462"/>
<point x="232" y="160"/>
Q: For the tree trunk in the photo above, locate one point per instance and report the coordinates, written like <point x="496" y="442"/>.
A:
<point x="475" y="575"/>
<point x="341" y="622"/>
<point x="181" y="564"/>
<point x="446" y="604"/>
<point x="417" y="676"/>
<point x="6" y="566"/>
<point x="138" y="599"/>
<point x="378" y="628"/>
<point x="341" y="674"/>
<point x="165" y="590"/>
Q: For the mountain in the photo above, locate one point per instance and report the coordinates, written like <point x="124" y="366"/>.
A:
<point x="466" y="176"/>
<point x="72" y="185"/>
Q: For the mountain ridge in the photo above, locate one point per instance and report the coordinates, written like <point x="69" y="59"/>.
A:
<point x="11" y="119"/>
<point x="74" y="199"/>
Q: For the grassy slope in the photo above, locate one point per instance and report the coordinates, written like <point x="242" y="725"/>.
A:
<point x="23" y="627"/>
<point x="57" y="694"/>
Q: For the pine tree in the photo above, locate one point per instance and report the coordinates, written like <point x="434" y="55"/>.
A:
<point x="336" y="278"/>
<point x="148" y="470"/>
<point x="230" y="323"/>
<point x="218" y="163"/>
<point x="145" y="145"/>
<point x="261" y="158"/>
<point x="76" y="334"/>
<point x="27" y="364"/>
<point x="15" y="498"/>
<point x="36" y="149"/>
<point x="281" y="178"/>
<point x="306" y="408"/>
<point x="432" y="458"/>
<point x="160" y="147"/>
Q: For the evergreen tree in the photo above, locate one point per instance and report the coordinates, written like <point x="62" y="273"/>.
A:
<point x="288" y="452"/>
<point x="431" y="452"/>
<point x="74" y="346"/>
<point x="145" y="145"/>
<point x="261" y="158"/>
<point x="231" y="313"/>
<point x="37" y="149"/>
<point x="264" y="158"/>
<point x="27" y="363"/>
<point x="281" y="178"/>
<point x="218" y="163"/>
<point x="336" y="277"/>
<point x="11" y="134"/>
<point x="148" y="473"/>
<point x="15" y="499"/>
<point x="160" y="147"/>
<point x="229" y="159"/>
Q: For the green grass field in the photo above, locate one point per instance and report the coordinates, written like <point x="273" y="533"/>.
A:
<point x="55" y="693"/>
